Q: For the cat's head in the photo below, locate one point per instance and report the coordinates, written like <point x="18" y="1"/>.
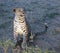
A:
<point x="19" y="11"/>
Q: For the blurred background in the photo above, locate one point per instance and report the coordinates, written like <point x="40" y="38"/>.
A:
<point x="37" y="13"/>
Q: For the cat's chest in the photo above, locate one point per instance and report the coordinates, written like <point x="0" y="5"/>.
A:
<point x="19" y="26"/>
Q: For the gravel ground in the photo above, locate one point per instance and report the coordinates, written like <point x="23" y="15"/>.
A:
<point x="37" y="13"/>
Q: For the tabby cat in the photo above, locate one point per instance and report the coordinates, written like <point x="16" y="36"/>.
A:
<point x="21" y="27"/>
<point x="22" y="31"/>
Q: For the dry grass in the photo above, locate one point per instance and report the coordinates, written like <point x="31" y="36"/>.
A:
<point x="6" y="43"/>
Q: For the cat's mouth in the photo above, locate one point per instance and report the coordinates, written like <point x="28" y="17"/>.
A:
<point x="21" y="15"/>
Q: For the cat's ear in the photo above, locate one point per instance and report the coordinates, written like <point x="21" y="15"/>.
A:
<point x="14" y="10"/>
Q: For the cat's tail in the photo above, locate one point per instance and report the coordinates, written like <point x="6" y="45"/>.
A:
<point x="33" y="35"/>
